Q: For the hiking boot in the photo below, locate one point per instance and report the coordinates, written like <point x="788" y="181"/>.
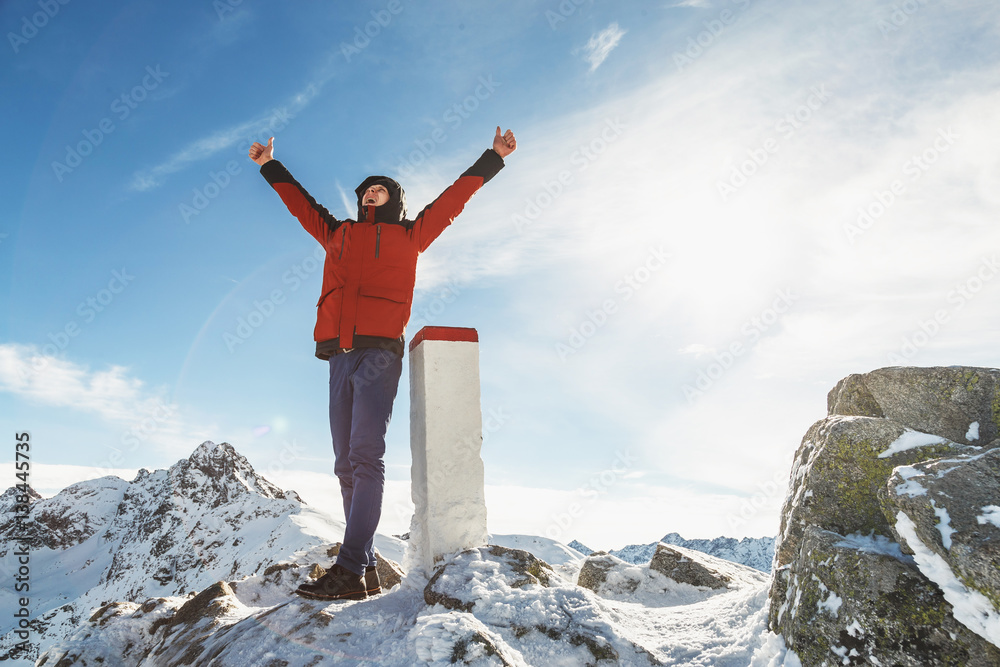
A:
<point x="338" y="583"/>
<point x="372" y="585"/>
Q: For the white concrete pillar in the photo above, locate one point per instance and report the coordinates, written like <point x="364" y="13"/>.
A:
<point x="446" y="436"/>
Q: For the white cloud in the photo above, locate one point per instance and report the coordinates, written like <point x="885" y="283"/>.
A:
<point x="140" y="415"/>
<point x="601" y="44"/>
<point x="260" y="128"/>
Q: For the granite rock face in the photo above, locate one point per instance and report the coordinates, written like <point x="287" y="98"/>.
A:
<point x="838" y="471"/>
<point x="954" y="507"/>
<point x="945" y="401"/>
<point x="888" y="540"/>
<point x="852" y="601"/>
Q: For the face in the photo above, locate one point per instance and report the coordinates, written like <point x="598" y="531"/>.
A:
<point x="376" y="195"/>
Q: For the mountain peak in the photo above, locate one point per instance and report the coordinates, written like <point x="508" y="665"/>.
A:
<point x="222" y="469"/>
<point x="210" y="455"/>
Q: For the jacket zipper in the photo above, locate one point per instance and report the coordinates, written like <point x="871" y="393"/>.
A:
<point x="343" y="233"/>
<point x="378" y="239"/>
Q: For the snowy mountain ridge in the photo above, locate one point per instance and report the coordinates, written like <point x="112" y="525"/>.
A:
<point x="755" y="552"/>
<point x="207" y="518"/>
<point x="176" y="564"/>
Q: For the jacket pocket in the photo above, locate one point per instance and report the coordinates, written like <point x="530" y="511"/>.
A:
<point x="383" y="310"/>
<point x="397" y="294"/>
<point x="327" y="294"/>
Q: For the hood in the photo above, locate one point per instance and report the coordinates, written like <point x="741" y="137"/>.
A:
<point x="393" y="210"/>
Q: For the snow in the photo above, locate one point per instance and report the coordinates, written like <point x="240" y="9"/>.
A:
<point x="973" y="432"/>
<point x="909" y="487"/>
<point x="874" y="543"/>
<point x="943" y="525"/>
<point x="971" y="608"/>
<point x="552" y="552"/>
<point x="991" y="514"/>
<point x="832" y="604"/>
<point x="911" y="439"/>
<point x="774" y="653"/>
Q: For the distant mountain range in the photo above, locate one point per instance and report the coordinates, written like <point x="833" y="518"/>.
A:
<point x="755" y="552"/>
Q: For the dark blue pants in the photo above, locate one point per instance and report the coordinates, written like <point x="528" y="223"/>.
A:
<point x="363" y="386"/>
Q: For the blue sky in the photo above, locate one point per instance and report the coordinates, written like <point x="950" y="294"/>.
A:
<point x="717" y="209"/>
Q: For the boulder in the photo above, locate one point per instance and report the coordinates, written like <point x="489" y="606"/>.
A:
<point x="460" y="639"/>
<point x="453" y="584"/>
<point x="595" y="569"/>
<point x="856" y="581"/>
<point x="838" y="471"/>
<point x="675" y="576"/>
<point x="524" y="601"/>
<point x="954" y="506"/>
<point x="684" y="566"/>
<point x="946" y="401"/>
<point x="861" y="601"/>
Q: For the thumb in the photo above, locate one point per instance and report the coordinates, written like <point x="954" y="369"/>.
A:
<point x="270" y="142"/>
<point x="498" y="130"/>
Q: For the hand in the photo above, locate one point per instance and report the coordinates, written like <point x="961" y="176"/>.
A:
<point x="261" y="154"/>
<point x="506" y="144"/>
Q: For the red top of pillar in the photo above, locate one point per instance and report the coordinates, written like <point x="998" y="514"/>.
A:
<point x="463" y="334"/>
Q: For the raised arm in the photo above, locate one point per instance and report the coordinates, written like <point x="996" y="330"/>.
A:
<point x="314" y="218"/>
<point x="440" y="213"/>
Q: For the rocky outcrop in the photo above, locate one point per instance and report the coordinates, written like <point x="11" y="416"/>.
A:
<point x="596" y="568"/>
<point x="683" y="566"/>
<point x="946" y="401"/>
<point x="947" y="514"/>
<point x="529" y="605"/>
<point x="674" y="576"/>
<point x="851" y="600"/>
<point x="838" y="471"/>
<point x="846" y="589"/>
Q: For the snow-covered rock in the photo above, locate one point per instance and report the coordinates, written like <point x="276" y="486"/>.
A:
<point x="838" y="471"/>
<point x="486" y="606"/>
<point x="689" y="567"/>
<point x="675" y="576"/>
<point x="844" y="589"/>
<point x="532" y="608"/>
<point x="859" y="601"/>
<point x="938" y="510"/>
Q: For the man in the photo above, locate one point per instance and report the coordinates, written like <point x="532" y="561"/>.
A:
<point x="363" y="309"/>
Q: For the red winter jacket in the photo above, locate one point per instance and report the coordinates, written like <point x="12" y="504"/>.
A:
<point x="371" y="262"/>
